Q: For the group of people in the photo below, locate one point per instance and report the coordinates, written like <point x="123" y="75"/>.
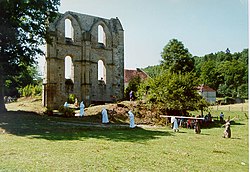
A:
<point x="104" y="112"/>
<point x="192" y="123"/>
<point x="195" y="123"/>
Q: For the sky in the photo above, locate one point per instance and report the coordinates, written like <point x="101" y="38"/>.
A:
<point x="203" y="26"/>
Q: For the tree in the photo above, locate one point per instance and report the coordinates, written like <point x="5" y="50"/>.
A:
<point x="233" y="73"/>
<point x="210" y="75"/>
<point x="174" y="93"/>
<point x="174" y="89"/>
<point x="153" y="71"/>
<point x="176" y="57"/>
<point x="133" y="85"/>
<point x="225" y="72"/>
<point x="23" y="78"/>
<point x="24" y="25"/>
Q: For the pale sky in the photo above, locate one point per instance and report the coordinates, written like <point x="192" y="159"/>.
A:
<point x="203" y="26"/>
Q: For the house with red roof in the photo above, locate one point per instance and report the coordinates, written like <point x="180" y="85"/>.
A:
<point x="131" y="73"/>
<point x="208" y="93"/>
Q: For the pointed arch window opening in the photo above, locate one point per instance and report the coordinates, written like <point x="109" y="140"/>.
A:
<point x="69" y="68"/>
<point x="69" y="30"/>
<point x="101" y="35"/>
<point x="101" y="72"/>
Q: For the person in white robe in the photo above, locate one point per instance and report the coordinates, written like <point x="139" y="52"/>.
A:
<point x="131" y="119"/>
<point x="175" y="127"/>
<point x="105" y="119"/>
<point x="172" y="122"/>
<point x="66" y="104"/>
<point x="81" y="109"/>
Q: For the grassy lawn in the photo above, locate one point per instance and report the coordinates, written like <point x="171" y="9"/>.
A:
<point x="31" y="142"/>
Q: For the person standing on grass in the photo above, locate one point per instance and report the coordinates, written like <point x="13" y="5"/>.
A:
<point x="221" y="117"/>
<point x="227" y="131"/>
<point x="189" y="123"/>
<point x="175" y="126"/>
<point x="131" y="119"/>
<point x="209" y="117"/>
<point x="76" y="103"/>
<point x="81" y="109"/>
<point x="105" y="119"/>
<point x="172" y="122"/>
<point x="197" y="127"/>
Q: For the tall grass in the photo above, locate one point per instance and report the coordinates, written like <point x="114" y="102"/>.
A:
<point x="31" y="90"/>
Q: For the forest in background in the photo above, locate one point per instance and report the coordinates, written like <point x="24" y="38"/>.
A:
<point x="225" y="72"/>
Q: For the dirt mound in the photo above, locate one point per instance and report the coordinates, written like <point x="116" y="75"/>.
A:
<point x="118" y="113"/>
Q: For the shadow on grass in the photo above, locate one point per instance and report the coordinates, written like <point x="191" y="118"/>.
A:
<point x="218" y="124"/>
<point x="30" y="124"/>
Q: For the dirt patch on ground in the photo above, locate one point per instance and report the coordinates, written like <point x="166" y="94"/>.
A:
<point x="28" y="104"/>
<point x="118" y="113"/>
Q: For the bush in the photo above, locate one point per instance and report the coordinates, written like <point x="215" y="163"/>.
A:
<point x="133" y="85"/>
<point x="71" y="98"/>
<point x="67" y="112"/>
<point x="229" y="100"/>
<point x="49" y="111"/>
<point x="31" y="90"/>
<point x="37" y="90"/>
<point x="172" y="92"/>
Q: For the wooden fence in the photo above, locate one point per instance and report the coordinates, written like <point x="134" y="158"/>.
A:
<point x="239" y="107"/>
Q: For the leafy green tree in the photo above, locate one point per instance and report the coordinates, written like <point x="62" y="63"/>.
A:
<point x="174" y="93"/>
<point x="154" y="71"/>
<point x="209" y="75"/>
<point x="222" y="56"/>
<point x="26" y="77"/>
<point x="244" y="56"/>
<point x="225" y="72"/>
<point x="176" y="58"/>
<point x="233" y="73"/>
<point x="174" y="89"/>
<point x="244" y="59"/>
<point x="133" y="85"/>
<point x="23" y="28"/>
<point x="243" y="91"/>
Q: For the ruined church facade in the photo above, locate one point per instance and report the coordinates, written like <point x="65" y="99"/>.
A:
<point x="85" y="59"/>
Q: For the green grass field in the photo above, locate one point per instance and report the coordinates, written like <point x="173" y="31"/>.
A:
<point x="30" y="142"/>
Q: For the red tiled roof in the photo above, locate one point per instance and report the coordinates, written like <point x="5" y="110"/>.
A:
<point x="129" y="74"/>
<point x="203" y="88"/>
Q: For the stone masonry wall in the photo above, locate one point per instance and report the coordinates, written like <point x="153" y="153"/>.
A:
<point x="84" y="51"/>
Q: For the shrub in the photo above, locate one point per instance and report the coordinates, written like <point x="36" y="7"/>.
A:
<point x="133" y="85"/>
<point x="71" y="98"/>
<point x="49" y="111"/>
<point x="67" y="112"/>
<point x="37" y="90"/>
<point x="31" y="90"/>
<point x="229" y="100"/>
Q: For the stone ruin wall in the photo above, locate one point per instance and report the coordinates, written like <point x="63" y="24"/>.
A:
<point x="85" y="51"/>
